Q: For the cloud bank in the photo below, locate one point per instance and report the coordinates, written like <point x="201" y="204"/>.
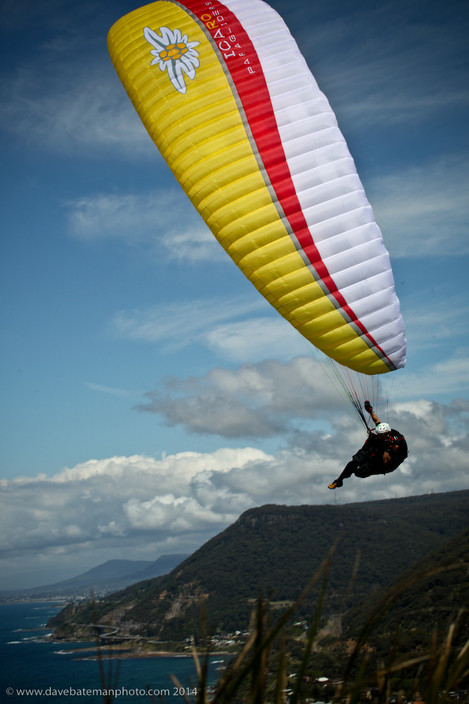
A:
<point x="255" y="400"/>
<point x="140" y="507"/>
<point x="271" y="398"/>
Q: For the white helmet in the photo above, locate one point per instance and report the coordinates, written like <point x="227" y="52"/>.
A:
<point x="382" y="428"/>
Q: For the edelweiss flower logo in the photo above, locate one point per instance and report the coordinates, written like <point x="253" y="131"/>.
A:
<point x="173" y="53"/>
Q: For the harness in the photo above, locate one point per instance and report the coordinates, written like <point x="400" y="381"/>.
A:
<point x="394" y="443"/>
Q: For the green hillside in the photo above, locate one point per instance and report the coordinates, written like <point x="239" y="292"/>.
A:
<point x="276" y="549"/>
<point x="425" y="601"/>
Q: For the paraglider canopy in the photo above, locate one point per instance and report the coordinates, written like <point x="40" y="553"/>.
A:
<point x="232" y="106"/>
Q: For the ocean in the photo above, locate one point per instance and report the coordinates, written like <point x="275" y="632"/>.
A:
<point x="34" y="669"/>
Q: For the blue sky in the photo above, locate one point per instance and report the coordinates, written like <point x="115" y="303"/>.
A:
<point x="148" y="399"/>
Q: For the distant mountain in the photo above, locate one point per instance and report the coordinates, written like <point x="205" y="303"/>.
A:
<point x="107" y="577"/>
<point x="276" y="550"/>
<point x="163" y="565"/>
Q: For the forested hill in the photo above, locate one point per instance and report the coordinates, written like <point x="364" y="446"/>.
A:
<point x="428" y="597"/>
<point x="277" y="549"/>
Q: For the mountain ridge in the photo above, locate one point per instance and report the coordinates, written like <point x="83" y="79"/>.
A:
<point x="275" y="550"/>
<point x="108" y="576"/>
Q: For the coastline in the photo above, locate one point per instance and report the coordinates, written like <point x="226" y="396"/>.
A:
<point x="33" y="659"/>
<point x="124" y="652"/>
<point x="129" y="647"/>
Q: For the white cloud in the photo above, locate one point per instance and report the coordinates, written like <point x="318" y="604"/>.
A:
<point x="163" y="221"/>
<point x="424" y="210"/>
<point x="70" y="106"/>
<point x="191" y="240"/>
<point x="62" y="93"/>
<point x="433" y="320"/>
<point x="256" y="400"/>
<point x="109" y="503"/>
<point x="448" y="377"/>
<point x="111" y="391"/>
<point x="256" y="339"/>
<point x="228" y="328"/>
<point x="224" y="325"/>
<point x="139" y="507"/>
<point x="96" y="497"/>
<point x="272" y="398"/>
